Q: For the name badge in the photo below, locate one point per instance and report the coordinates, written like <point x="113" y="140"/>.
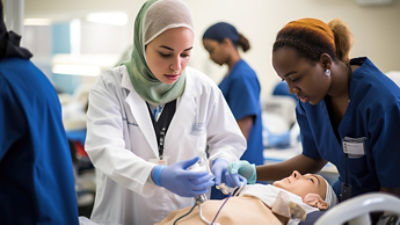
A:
<point x="354" y="147"/>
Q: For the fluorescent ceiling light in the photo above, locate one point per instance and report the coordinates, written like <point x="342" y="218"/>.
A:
<point x="83" y="65"/>
<point x="75" y="36"/>
<point x="112" y="18"/>
<point x="37" y="22"/>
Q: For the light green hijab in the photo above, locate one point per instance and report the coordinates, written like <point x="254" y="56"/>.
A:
<point x="155" y="17"/>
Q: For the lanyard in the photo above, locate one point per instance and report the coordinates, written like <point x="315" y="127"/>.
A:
<point x="161" y="125"/>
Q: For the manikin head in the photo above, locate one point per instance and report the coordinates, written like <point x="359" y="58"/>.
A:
<point x="312" y="188"/>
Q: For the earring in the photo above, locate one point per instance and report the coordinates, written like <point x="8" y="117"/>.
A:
<point x="328" y="72"/>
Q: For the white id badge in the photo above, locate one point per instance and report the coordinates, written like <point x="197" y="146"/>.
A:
<point x="158" y="161"/>
<point x="354" y="147"/>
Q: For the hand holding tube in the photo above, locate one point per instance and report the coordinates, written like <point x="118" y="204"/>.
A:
<point x="179" y="179"/>
<point x="223" y="175"/>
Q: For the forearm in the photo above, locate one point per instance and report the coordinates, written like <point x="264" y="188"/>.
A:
<point x="245" y="125"/>
<point x="277" y="171"/>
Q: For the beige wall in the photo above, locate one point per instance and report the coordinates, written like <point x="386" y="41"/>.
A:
<point x="376" y="29"/>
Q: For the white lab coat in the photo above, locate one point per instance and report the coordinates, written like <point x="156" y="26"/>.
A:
<point x="121" y="140"/>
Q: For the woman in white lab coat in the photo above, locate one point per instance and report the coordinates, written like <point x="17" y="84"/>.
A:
<point x="154" y="110"/>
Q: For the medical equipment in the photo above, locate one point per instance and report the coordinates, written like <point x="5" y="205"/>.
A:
<point x="198" y="203"/>
<point x="356" y="211"/>
<point x="201" y="165"/>
<point x="230" y="191"/>
<point x="223" y="188"/>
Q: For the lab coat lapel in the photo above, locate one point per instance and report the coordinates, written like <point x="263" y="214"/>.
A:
<point x="140" y="112"/>
<point x="184" y="114"/>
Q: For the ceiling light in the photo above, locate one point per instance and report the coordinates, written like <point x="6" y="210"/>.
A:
<point x="112" y="18"/>
<point x="37" y="22"/>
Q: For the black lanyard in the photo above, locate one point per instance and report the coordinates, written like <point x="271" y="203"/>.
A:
<point x="161" y="126"/>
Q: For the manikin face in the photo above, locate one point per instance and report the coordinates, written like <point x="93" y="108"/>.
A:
<point x="216" y="50"/>
<point x="305" y="78"/>
<point x="303" y="184"/>
<point x="169" y="53"/>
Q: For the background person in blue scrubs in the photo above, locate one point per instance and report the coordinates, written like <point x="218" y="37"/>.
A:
<point x="240" y="86"/>
<point x="36" y="176"/>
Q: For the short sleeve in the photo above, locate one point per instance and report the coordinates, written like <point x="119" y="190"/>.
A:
<point x="243" y="98"/>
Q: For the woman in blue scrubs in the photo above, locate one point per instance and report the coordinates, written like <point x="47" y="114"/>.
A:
<point x="36" y="176"/>
<point x="240" y="86"/>
<point x="349" y="111"/>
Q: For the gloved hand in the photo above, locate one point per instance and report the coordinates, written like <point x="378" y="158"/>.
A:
<point x="245" y="169"/>
<point x="222" y="175"/>
<point x="179" y="179"/>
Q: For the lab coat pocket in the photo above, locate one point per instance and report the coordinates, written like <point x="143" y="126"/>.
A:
<point x="197" y="129"/>
<point x="198" y="136"/>
<point x="132" y="135"/>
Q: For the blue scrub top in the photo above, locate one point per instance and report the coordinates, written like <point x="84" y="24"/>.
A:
<point x="36" y="176"/>
<point x="374" y="114"/>
<point x="241" y="90"/>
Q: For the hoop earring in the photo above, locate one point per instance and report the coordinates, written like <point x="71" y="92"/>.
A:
<point x="328" y="72"/>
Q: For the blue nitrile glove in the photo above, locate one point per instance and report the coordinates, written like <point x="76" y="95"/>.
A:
<point x="234" y="179"/>
<point x="222" y="175"/>
<point x="245" y="169"/>
<point x="179" y="179"/>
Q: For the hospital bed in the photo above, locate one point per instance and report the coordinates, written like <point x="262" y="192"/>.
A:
<point x="356" y="211"/>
